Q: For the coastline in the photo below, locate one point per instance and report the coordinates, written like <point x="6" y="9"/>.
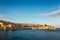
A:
<point x="5" y="26"/>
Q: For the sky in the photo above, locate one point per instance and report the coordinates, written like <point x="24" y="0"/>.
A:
<point x="31" y="11"/>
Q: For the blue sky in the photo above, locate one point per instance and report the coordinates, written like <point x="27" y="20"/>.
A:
<point x="31" y="11"/>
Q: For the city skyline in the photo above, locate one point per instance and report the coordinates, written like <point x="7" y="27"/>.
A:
<point x="31" y="11"/>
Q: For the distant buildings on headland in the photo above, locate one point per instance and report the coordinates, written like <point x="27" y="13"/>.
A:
<point x="5" y="26"/>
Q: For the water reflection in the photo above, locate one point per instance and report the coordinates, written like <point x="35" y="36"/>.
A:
<point x="30" y="35"/>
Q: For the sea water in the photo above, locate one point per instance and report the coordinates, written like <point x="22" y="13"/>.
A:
<point x="30" y="35"/>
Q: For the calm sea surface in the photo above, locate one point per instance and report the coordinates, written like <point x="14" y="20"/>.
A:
<point x="30" y="35"/>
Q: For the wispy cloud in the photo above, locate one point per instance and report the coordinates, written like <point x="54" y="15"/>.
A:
<point x="2" y="15"/>
<point x="51" y="14"/>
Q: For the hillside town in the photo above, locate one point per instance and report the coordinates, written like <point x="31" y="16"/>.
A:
<point x="8" y="26"/>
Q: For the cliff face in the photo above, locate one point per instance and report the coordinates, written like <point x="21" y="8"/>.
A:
<point x="4" y="25"/>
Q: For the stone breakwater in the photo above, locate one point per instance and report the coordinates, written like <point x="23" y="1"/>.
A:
<point x="5" y="25"/>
